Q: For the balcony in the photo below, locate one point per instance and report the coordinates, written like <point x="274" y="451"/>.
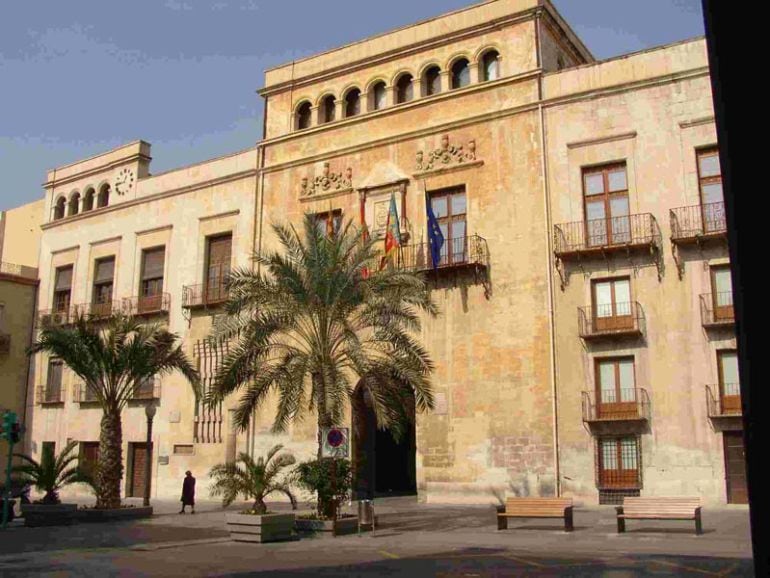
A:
<point x="469" y="252"/>
<point x="204" y="295"/>
<point x="603" y="236"/>
<point x="52" y="317"/>
<point x="630" y="405"/>
<point x="716" y="310"/>
<point x="147" y="391"/>
<point x="83" y="395"/>
<point x="49" y="395"/>
<point x="606" y="321"/>
<point x="159" y="304"/>
<point x="698" y="223"/>
<point x="724" y="401"/>
<point x="5" y="343"/>
<point x="95" y="311"/>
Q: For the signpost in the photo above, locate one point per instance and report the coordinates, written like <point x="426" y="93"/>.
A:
<point x="335" y="445"/>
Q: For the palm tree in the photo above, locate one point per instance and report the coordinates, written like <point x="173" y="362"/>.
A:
<point x="113" y="360"/>
<point x="316" y="320"/>
<point x="52" y="473"/>
<point x="255" y="479"/>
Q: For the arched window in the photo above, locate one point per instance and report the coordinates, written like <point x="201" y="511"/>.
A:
<point x="461" y="73"/>
<point x="404" y="88"/>
<point x="352" y="103"/>
<point x="379" y="96"/>
<point x="58" y="210"/>
<point x="431" y="81"/>
<point x="104" y="196"/>
<point x="303" y="116"/>
<point x="327" y="109"/>
<point x="490" y="66"/>
<point x="74" y="205"/>
<point x="88" y="199"/>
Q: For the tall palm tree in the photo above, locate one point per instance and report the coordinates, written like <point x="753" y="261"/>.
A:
<point x="113" y="359"/>
<point x="316" y="320"/>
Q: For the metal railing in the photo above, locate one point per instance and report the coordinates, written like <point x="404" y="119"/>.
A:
<point x="470" y="250"/>
<point x="639" y="230"/>
<point x="47" y="394"/>
<point x="630" y="404"/>
<point x="724" y="400"/>
<point x="18" y="270"/>
<point x="99" y="310"/>
<point x="82" y="394"/>
<point x="613" y="319"/>
<point x="698" y="221"/>
<point x="147" y="391"/>
<point x="717" y="310"/>
<point x="204" y="294"/>
<point x="147" y="304"/>
<point x="52" y="317"/>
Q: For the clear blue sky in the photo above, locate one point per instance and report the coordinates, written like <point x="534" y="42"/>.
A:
<point x="83" y="76"/>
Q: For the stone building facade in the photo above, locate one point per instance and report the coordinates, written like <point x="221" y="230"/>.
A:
<point x="582" y="284"/>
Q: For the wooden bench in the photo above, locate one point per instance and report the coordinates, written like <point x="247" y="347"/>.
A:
<point x="536" y="508"/>
<point x="659" y="509"/>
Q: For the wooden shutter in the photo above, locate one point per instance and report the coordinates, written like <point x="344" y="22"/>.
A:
<point x="152" y="266"/>
<point x="105" y="270"/>
<point x="220" y="249"/>
<point x="64" y="279"/>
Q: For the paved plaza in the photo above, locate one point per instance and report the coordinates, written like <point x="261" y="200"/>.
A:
<point x="412" y="540"/>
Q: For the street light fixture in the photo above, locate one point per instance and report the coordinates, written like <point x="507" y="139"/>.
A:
<point x="149" y="411"/>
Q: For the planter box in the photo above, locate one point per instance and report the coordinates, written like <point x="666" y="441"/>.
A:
<point x="114" y="514"/>
<point x="324" y="527"/>
<point x="43" y="515"/>
<point x="260" y="528"/>
<point x="11" y="504"/>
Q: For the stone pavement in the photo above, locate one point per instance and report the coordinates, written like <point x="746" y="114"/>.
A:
<point x="412" y="540"/>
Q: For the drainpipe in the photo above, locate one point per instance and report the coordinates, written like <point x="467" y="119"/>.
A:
<point x="549" y="270"/>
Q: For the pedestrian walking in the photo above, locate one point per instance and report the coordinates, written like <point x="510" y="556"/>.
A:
<point x="188" y="492"/>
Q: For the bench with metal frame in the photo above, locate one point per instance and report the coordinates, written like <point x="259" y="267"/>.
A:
<point x="537" y="508"/>
<point x="654" y="508"/>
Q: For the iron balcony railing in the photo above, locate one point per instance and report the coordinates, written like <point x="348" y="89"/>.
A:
<point x="716" y="309"/>
<point x="206" y="294"/>
<point x="48" y="394"/>
<point x="148" y="390"/>
<point x="97" y="310"/>
<point x="5" y="343"/>
<point x="697" y="221"/>
<point x="18" y="270"/>
<point x="629" y="231"/>
<point x="52" y="317"/>
<point x="612" y="320"/>
<point x="467" y="251"/>
<point x="724" y="400"/>
<point x="147" y="304"/>
<point x="629" y="404"/>
<point x="83" y="394"/>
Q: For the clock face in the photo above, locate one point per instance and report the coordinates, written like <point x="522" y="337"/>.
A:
<point x="124" y="181"/>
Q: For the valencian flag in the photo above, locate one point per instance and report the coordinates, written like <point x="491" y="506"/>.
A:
<point x="435" y="236"/>
<point x="392" y="231"/>
<point x="364" y="237"/>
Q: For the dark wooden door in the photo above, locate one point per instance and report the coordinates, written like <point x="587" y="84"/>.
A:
<point x="89" y="456"/>
<point x="138" y="468"/>
<point x="735" y="468"/>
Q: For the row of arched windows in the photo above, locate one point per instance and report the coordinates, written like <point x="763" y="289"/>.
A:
<point x="430" y="83"/>
<point x="64" y="208"/>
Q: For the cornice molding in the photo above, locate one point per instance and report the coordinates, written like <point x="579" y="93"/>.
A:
<point x="450" y="169"/>
<point x="601" y="140"/>
<point x="158" y="229"/>
<point x="18" y="279"/>
<point x="105" y="241"/>
<point x="697" y="122"/>
<point x="221" y="215"/>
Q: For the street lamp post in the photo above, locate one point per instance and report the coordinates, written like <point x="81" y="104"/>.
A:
<point x="149" y="411"/>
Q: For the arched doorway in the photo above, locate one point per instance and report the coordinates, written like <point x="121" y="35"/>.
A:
<point x="381" y="465"/>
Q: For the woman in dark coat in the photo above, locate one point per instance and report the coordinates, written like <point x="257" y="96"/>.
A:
<point x="188" y="492"/>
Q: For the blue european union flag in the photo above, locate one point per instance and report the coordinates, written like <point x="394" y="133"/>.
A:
<point x="435" y="236"/>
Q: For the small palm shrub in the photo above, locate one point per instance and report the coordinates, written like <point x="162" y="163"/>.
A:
<point x="253" y="479"/>
<point x="52" y="472"/>
<point x="331" y="488"/>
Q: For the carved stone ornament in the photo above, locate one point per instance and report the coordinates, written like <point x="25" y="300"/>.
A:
<point x="328" y="181"/>
<point x="446" y="155"/>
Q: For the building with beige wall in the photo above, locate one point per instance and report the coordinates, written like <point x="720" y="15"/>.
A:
<point x="580" y="203"/>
